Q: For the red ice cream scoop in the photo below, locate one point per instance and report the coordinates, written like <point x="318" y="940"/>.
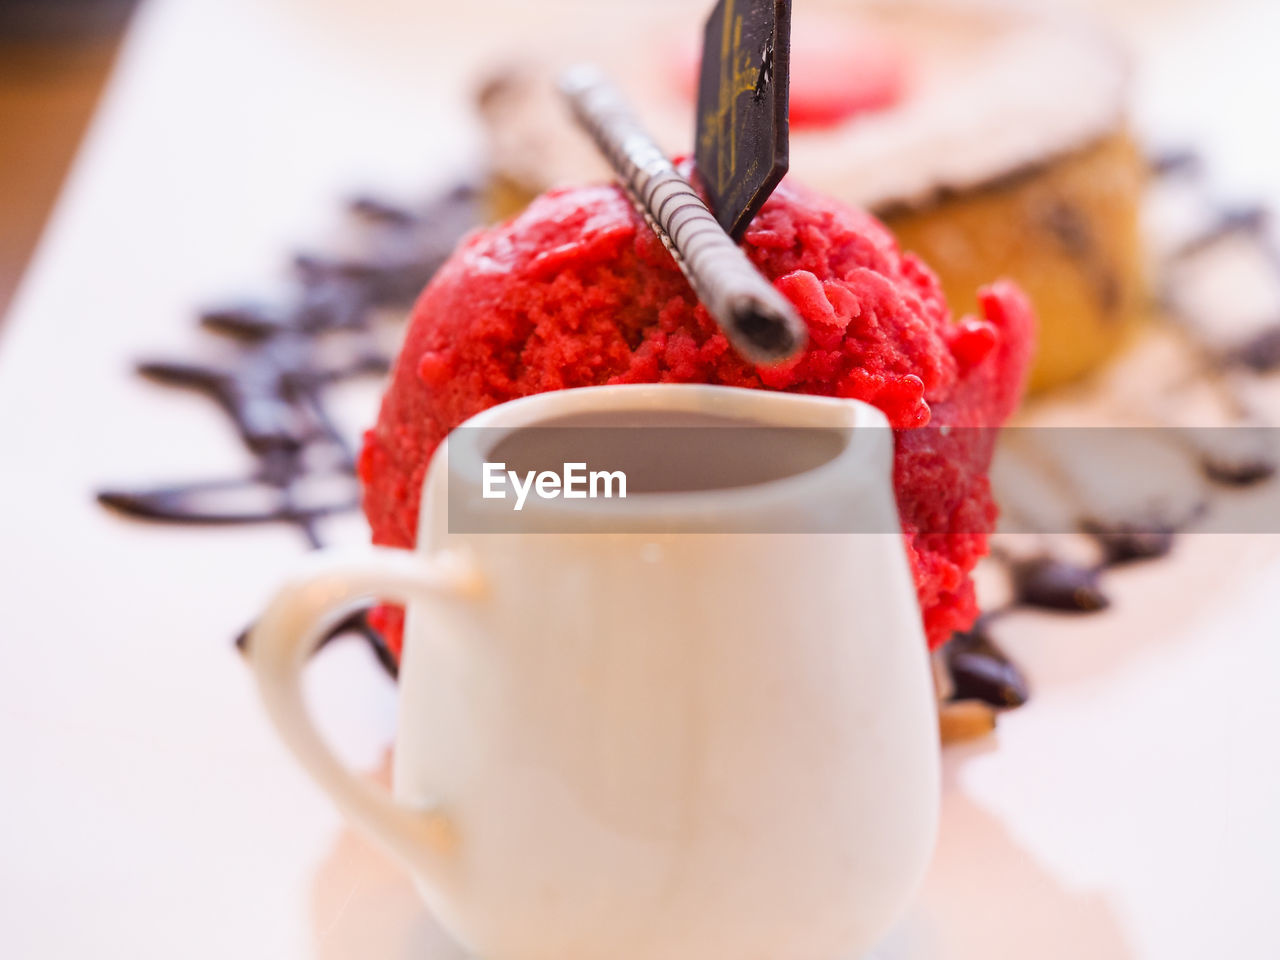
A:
<point x="578" y="291"/>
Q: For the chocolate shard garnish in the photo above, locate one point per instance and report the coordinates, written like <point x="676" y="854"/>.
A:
<point x="757" y="319"/>
<point x="980" y="670"/>
<point x="741" y="139"/>
<point x="1050" y="583"/>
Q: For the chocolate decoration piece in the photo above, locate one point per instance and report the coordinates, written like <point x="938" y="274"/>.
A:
<point x="1125" y="544"/>
<point x="276" y="361"/>
<point x="1053" y="584"/>
<point x="273" y="380"/>
<point x="980" y="670"/>
<point x="373" y="208"/>
<point x="246" y="321"/>
<point x="1238" y="473"/>
<point x="356" y="624"/>
<point x="272" y="385"/>
<point x="1049" y="582"/>
<point x="1174" y="162"/>
<point x="741" y="140"/>
<point x="759" y="321"/>
<point x="1238" y="468"/>
<point x="1250" y="220"/>
<point x="234" y="501"/>
<point x="1261" y="353"/>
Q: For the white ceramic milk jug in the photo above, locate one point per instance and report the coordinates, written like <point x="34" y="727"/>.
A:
<point x="629" y="730"/>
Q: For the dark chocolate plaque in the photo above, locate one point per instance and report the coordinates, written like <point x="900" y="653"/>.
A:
<point x="741" y="139"/>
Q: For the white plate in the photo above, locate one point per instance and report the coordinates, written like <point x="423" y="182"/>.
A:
<point x="145" y="809"/>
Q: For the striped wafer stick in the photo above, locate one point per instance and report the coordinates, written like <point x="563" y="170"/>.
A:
<point x="758" y="320"/>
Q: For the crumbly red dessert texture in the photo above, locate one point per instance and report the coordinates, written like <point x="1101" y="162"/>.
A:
<point x="577" y="291"/>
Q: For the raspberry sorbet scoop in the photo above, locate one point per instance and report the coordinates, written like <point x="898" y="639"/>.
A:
<point x="577" y="291"/>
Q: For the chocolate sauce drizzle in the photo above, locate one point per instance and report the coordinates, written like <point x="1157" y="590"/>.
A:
<point x="979" y="669"/>
<point x="273" y="391"/>
<point x="281" y="364"/>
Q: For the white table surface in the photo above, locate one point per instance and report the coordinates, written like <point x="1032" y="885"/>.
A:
<point x="146" y="811"/>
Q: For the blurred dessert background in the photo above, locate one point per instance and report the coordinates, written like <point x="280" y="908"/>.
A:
<point x="994" y="137"/>
<point x="993" y="140"/>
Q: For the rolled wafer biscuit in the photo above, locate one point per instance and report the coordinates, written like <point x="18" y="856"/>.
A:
<point x="758" y="320"/>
